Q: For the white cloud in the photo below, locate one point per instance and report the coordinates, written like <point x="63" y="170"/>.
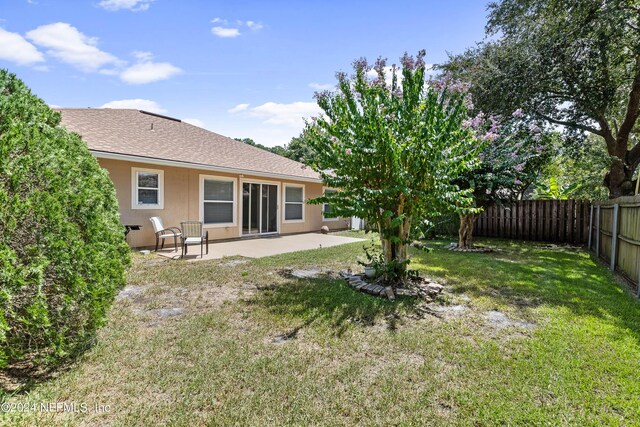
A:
<point x="225" y="32"/>
<point x="14" y="48"/>
<point x="238" y="108"/>
<point x="195" y="122"/>
<point x="132" y="5"/>
<point x="142" y="56"/>
<point x="322" y="86"/>
<point x="285" y="114"/>
<point x="136" y="104"/>
<point x="69" y="45"/>
<point x="255" y="26"/>
<point x="147" y="71"/>
<point x="224" y="29"/>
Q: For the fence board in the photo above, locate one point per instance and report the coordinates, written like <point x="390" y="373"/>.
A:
<point x="586" y="218"/>
<point x="554" y="220"/>
<point x="623" y="241"/>
<point x="570" y="221"/>
<point x="520" y="214"/>
<point x="564" y="221"/>
<point x="561" y="228"/>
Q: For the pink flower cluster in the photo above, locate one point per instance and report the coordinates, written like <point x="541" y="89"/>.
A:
<point x="489" y="136"/>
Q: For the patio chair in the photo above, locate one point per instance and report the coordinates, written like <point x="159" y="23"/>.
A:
<point x="192" y="235"/>
<point x="164" y="233"/>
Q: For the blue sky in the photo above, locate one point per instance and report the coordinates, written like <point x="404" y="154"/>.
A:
<point x="238" y="68"/>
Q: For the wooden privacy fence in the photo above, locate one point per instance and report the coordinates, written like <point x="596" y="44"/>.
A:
<point x="615" y="235"/>
<point x="564" y="221"/>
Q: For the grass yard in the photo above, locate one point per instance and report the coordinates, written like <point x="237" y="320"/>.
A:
<point x="526" y="336"/>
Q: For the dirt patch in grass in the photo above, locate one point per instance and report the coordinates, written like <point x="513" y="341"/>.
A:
<point x="130" y="292"/>
<point x="233" y="263"/>
<point x="307" y="273"/>
<point x="451" y="310"/>
<point x="155" y="304"/>
<point x="499" y="320"/>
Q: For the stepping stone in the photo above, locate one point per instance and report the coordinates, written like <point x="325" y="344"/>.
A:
<point x="389" y="292"/>
<point x="372" y="289"/>
<point x="358" y="282"/>
<point x="434" y="288"/>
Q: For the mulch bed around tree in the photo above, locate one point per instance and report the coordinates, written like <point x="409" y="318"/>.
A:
<point x="423" y="288"/>
<point x="454" y="247"/>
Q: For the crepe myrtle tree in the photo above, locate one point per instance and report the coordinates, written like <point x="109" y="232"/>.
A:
<point x="392" y="145"/>
<point x="514" y="154"/>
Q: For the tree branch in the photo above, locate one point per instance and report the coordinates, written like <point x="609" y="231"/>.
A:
<point x="612" y="147"/>
<point x="633" y="108"/>
<point x="571" y="124"/>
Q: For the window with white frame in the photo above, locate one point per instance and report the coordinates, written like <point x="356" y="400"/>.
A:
<point x="327" y="211"/>
<point x="293" y="203"/>
<point x="147" y="190"/>
<point x="218" y="200"/>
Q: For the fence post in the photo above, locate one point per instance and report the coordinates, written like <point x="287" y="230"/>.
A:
<point x="598" y="231"/>
<point x="614" y="236"/>
<point x="590" y="227"/>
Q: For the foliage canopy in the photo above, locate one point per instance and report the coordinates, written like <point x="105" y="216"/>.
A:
<point x="392" y="145"/>
<point x="574" y="64"/>
<point x="62" y="248"/>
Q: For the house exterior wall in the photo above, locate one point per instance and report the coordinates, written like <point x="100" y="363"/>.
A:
<point x="182" y="201"/>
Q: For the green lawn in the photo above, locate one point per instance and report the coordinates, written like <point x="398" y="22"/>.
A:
<point x="568" y="353"/>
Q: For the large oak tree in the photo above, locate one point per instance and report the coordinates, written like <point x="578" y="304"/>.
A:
<point x="573" y="63"/>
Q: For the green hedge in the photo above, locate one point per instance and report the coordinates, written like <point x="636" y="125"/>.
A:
<point x="63" y="256"/>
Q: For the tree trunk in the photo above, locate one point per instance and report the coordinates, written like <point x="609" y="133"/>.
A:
<point x="465" y="232"/>
<point x="395" y="248"/>
<point x="619" y="179"/>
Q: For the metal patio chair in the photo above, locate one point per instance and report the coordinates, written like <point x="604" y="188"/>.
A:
<point x="164" y="233"/>
<point x="192" y="235"/>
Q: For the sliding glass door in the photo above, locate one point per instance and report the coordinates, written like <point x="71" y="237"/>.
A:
<point x="259" y="208"/>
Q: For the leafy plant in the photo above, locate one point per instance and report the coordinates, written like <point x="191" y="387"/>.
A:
<point x="388" y="270"/>
<point x="392" y="145"/>
<point x="585" y="164"/>
<point x="552" y="190"/>
<point x="62" y="249"/>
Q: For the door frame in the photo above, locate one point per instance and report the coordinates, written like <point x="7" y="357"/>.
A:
<point x="241" y="205"/>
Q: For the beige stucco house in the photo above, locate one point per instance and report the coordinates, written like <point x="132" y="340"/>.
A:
<point x="164" y="167"/>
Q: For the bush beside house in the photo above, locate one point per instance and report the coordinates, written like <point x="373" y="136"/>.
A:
<point x="63" y="255"/>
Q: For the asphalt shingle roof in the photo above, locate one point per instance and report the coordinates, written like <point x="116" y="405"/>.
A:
<point x="143" y="134"/>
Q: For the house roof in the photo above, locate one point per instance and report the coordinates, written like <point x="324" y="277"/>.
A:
<point x="153" y="138"/>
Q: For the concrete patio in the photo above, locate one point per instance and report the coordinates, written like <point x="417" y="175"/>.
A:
<point x="262" y="247"/>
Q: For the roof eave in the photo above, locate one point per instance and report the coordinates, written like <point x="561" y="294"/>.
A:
<point x="175" y="163"/>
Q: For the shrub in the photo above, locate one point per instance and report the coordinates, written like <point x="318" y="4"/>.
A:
<point x="62" y="250"/>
